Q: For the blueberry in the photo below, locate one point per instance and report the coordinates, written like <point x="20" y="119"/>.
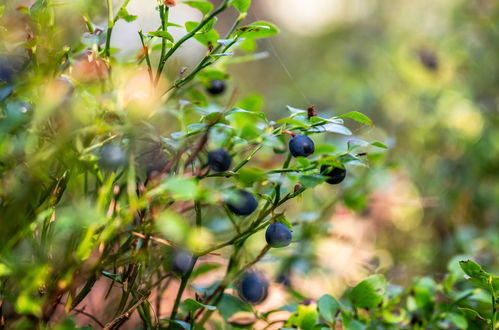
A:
<point x="278" y="235"/>
<point x="112" y="156"/>
<point x="182" y="261"/>
<point x="11" y="66"/>
<point x="242" y="202"/>
<point x="151" y="159"/>
<point x="301" y="145"/>
<point x="335" y="174"/>
<point x="253" y="287"/>
<point x="216" y="87"/>
<point x="219" y="160"/>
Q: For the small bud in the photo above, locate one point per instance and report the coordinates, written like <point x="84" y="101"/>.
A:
<point x="312" y="111"/>
<point x="170" y="3"/>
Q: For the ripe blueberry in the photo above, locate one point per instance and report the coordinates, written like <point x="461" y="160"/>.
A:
<point x="216" y="87"/>
<point x="301" y="145"/>
<point x="152" y="159"/>
<point x="242" y="202"/>
<point x="278" y="235"/>
<point x="219" y="160"/>
<point x="335" y="174"/>
<point x="182" y="261"/>
<point x="112" y="156"/>
<point x="253" y="287"/>
<point x="11" y="66"/>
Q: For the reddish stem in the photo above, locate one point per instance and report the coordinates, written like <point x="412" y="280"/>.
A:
<point x="289" y="132"/>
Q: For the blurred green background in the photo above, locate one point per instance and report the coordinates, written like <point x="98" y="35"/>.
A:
<point x="427" y="73"/>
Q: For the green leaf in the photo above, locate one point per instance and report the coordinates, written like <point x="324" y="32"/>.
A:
<point x="282" y="219"/>
<point x="249" y="175"/>
<point x="123" y="14"/>
<point x="296" y="111"/>
<point x="115" y="277"/>
<point x="2" y="10"/>
<point x="351" y="324"/>
<point x="309" y="181"/>
<point x="379" y="145"/>
<point x="203" y="269"/>
<point x="479" y="276"/>
<point x="203" y="6"/>
<point x="474" y="318"/>
<point x="369" y="293"/>
<point x="241" y="6"/>
<point x="230" y="305"/>
<point x="328" y="308"/>
<point x="208" y="75"/>
<point x="260" y="115"/>
<point x="458" y="320"/>
<point x="174" y="25"/>
<point x="306" y="317"/>
<point x="192" y="305"/>
<point x="162" y="34"/>
<point x="207" y="36"/>
<point x="258" y="30"/>
<point x="358" y="117"/>
<point x="182" y="188"/>
<point x="337" y="128"/>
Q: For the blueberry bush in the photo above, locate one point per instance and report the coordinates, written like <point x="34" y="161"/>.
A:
<point x="126" y="178"/>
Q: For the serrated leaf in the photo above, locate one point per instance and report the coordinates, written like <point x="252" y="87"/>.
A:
<point x="241" y="6"/>
<point x="358" y="117"/>
<point x="258" y="30"/>
<point x="203" y="6"/>
<point x="192" y="305"/>
<point x="328" y="308"/>
<point x="369" y="293"/>
<point x="162" y="34"/>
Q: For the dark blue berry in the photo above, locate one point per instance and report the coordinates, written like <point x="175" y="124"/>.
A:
<point x="216" y="87"/>
<point x="112" y="156"/>
<point x="11" y="66"/>
<point x="242" y="202"/>
<point x="278" y="235"/>
<point x="182" y="261"/>
<point x="301" y="145"/>
<point x="335" y="174"/>
<point x="253" y="287"/>
<point x="219" y="160"/>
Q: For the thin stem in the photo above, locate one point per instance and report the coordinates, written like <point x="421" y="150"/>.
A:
<point x="185" y="277"/>
<point x="163" y="14"/>
<point x="187" y="36"/>
<point x="183" y="284"/>
<point x="148" y="60"/>
<point x="494" y="307"/>
<point x="247" y="159"/>
<point x="110" y="26"/>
